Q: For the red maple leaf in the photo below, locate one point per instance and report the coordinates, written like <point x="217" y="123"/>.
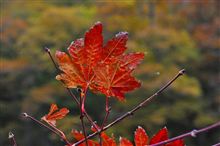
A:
<point x="141" y="138"/>
<point x="113" y="80"/>
<point x="124" y="142"/>
<point x="78" y="136"/>
<point x="106" y="140"/>
<point x="103" y="68"/>
<point x="55" y="114"/>
<point x="84" y="55"/>
<point x="161" y="135"/>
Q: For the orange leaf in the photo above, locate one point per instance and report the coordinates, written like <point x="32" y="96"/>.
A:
<point x="131" y="60"/>
<point x="106" y="140"/>
<point x="114" y="81"/>
<point x="54" y="114"/>
<point x="103" y="68"/>
<point x="71" y="76"/>
<point x="140" y="137"/>
<point x="85" y="54"/>
<point x="78" y="136"/>
<point x="115" y="47"/>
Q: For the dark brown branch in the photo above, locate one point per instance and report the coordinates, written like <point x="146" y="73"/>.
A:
<point x="11" y="136"/>
<point x="52" y="129"/>
<point x="54" y="63"/>
<point x="71" y="93"/>
<point x="131" y="112"/>
<point x="192" y="133"/>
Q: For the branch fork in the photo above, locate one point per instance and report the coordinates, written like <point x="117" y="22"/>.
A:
<point x="131" y="112"/>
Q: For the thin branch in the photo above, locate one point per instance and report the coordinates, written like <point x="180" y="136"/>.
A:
<point x="54" y="130"/>
<point x="58" y="130"/>
<point x="84" y="130"/>
<point x="217" y="144"/>
<point x="82" y="95"/>
<point x="85" y="112"/>
<point x="83" y="99"/>
<point x="54" y="63"/>
<point x="57" y="68"/>
<point x="192" y="133"/>
<point x="71" y="93"/>
<point x="100" y="139"/>
<point x="11" y="136"/>
<point x="107" y="110"/>
<point x="131" y="112"/>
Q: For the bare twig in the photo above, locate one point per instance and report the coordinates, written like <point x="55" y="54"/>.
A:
<point x="11" y="136"/>
<point x="82" y="95"/>
<point x="131" y="112"/>
<point x="51" y="57"/>
<point x="52" y="128"/>
<point x="192" y="133"/>
<point x="107" y="111"/>
<point x="71" y="93"/>
<point x="217" y="144"/>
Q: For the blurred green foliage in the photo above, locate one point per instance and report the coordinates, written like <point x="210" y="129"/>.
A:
<point x="173" y="35"/>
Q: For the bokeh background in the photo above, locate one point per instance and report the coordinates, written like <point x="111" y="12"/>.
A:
<point x="174" y="34"/>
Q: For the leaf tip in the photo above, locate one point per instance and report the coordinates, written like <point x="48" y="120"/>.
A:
<point x="139" y="127"/>
<point x="98" y="23"/>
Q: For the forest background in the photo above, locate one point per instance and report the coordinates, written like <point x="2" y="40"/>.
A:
<point x="173" y="34"/>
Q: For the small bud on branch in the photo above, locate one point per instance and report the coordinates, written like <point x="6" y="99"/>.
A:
<point x="11" y="136"/>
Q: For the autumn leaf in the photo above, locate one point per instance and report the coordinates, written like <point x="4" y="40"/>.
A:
<point x="84" y="55"/>
<point x="93" y="45"/>
<point x="124" y="142"/>
<point x="106" y="140"/>
<point x="160" y="136"/>
<point x="78" y="136"/>
<point x="112" y="80"/>
<point x="178" y="142"/>
<point x="103" y="68"/>
<point x="115" y="48"/>
<point x="55" y="114"/>
<point x="140" y="137"/>
<point x="71" y="76"/>
<point x="131" y="60"/>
